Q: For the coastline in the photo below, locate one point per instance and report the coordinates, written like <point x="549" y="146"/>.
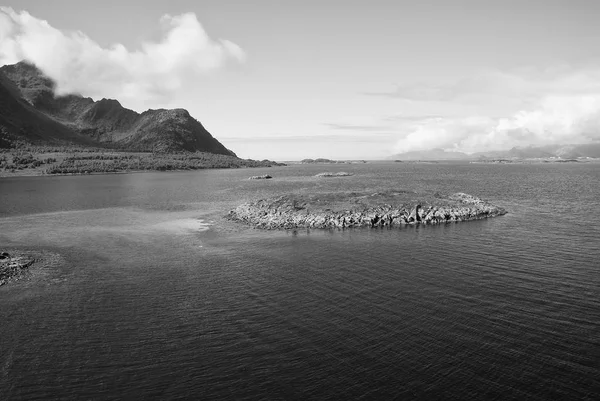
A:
<point x="27" y="163"/>
<point x="374" y="210"/>
<point x="24" y="173"/>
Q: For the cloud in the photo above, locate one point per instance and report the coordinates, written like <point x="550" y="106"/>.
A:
<point x="525" y="84"/>
<point x="418" y="91"/>
<point x="363" y="128"/>
<point x="557" y="119"/>
<point x="411" y="117"/>
<point x="552" y="106"/>
<point x="80" y="65"/>
<point x="309" y="139"/>
<point x="297" y="147"/>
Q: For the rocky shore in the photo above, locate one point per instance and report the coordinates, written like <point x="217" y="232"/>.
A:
<point x="351" y="209"/>
<point x="18" y="264"/>
<point x="12" y="266"/>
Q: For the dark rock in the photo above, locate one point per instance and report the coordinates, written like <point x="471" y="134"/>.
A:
<point x="11" y="267"/>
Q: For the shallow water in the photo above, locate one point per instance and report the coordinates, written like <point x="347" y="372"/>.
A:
<point x="163" y="298"/>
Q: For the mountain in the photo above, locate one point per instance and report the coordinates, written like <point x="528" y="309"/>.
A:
<point x="19" y="120"/>
<point x="529" y="152"/>
<point x="31" y="112"/>
<point x="544" y="152"/>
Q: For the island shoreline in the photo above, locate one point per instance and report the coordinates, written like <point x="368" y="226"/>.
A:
<point x="350" y="210"/>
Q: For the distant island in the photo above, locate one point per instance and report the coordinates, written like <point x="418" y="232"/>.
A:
<point x="350" y="209"/>
<point x="329" y="161"/>
<point x="417" y="161"/>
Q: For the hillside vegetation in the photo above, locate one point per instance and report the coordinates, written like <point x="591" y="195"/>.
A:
<point x="35" y="161"/>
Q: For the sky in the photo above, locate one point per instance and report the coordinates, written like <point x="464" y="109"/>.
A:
<point x="287" y="80"/>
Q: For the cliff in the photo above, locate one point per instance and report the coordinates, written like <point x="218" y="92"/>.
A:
<point x="345" y="210"/>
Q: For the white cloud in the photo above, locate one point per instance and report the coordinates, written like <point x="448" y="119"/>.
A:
<point x="555" y="106"/>
<point x="524" y="84"/>
<point x="79" y="64"/>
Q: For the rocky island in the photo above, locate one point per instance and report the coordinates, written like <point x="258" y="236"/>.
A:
<point x="352" y="209"/>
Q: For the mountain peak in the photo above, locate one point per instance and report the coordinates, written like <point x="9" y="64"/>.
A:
<point x="30" y="80"/>
<point x="109" y="103"/>
<point x="25" y="70"/>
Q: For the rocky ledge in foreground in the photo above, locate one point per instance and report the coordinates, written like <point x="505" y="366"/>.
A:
<point x="16" y="264"/>
<point x="351" y="209"/>
<point x="12" y="266"/>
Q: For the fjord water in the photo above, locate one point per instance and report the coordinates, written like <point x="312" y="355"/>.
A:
<point x="161" y="297"/>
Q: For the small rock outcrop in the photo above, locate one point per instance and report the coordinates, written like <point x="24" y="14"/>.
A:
<point x="18" y="264"/>
<point x="346" y="210"/>
<point x="260" y="177"/>
<point x="340" y="174"/>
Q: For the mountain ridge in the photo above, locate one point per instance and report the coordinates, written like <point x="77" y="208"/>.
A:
<point x="565" y="151"/>
<point x="32" y="112"/>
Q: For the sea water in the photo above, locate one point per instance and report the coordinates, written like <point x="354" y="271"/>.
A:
<point x="161" y="297"/>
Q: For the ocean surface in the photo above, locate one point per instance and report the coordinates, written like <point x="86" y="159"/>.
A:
<point x="160" y="297"/>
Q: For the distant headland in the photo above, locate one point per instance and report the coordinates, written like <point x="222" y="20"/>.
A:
<point x="42" y="132"/>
